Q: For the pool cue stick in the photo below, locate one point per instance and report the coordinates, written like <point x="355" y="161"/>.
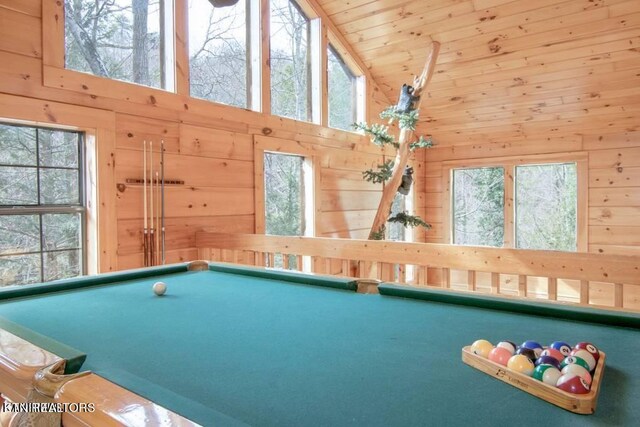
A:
<point x="145" y="243"/>
<point x="157" y="259"/>
<point x="152" y="230"/>
<point x="162" y="195"/>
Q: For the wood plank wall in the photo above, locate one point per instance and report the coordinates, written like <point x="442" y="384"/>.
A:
<point x="208" y="146"/>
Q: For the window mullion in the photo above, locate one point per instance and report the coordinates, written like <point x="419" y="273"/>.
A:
<point x="509" y="206"/>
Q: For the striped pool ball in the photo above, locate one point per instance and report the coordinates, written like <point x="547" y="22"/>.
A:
<point x="577" y="370"/>
<point x="547" y="374"/>
<point x="574" y="360"/>
<point x="586" y="356"/>
<point x="573" y="384"/>
<point x="590" y="348"/>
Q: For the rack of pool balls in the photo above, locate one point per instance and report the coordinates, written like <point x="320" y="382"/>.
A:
<point x="566" y="376"/>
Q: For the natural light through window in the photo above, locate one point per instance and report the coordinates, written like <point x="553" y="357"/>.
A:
<point x="342" y="92"/>
<point x="120" y="39"/>
<point x="478" y="206"/>
<point x="218" y="52"/>
<point x="290" y="71"/>
<point x="546" y="204"/>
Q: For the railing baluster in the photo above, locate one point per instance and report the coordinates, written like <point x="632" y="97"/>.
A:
<point x="327" y="266"/>
<point x="495" y="283"/>
<point x="285" y="261"/>
<point x="552" y="288"/>
<point x="618" y="295"/>
<point x="402" y="273"/>
<point x="346" y="271"/>
<point x="584" y="292"/>
<point x="446" y="278"/>
<point x="471" y="280"/>
<point x="422" y="275"/>
<point x="522" y="285"/>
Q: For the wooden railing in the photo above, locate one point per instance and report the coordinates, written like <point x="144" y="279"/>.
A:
<point x="582" y="278"/>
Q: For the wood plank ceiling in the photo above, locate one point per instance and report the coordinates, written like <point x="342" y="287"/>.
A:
<point x="508" y="70"/>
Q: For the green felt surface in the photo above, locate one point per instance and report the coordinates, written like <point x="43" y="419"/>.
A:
<point x="225" y="349"/>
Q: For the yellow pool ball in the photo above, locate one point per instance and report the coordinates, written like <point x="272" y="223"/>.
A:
<point x="521" y="363"/>
<point x="481" y="348"/>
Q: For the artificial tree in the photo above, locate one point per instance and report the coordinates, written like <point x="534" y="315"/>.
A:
<point x="391" y="172"/>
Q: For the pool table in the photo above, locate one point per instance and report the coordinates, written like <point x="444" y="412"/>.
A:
<point x="235" y="346"/>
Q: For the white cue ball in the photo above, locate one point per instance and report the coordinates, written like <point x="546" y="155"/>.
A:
<point x="159" y="288"/>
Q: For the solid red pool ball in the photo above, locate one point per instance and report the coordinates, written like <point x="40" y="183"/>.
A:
<point x="500" y="356"/>
<point x="592" y="349"/>
<point x="573" y="384"/>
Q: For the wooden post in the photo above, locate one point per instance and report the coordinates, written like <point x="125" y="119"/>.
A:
<point x="406" y="138"/>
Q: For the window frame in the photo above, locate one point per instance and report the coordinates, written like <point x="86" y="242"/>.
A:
<point x="41" y="209"/>
<point x="509" y="164"/>
<point x="100" y="191"/>
<point x="312" y="192"/>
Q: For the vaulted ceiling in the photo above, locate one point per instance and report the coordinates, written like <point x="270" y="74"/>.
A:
<point x="507" y="70"/>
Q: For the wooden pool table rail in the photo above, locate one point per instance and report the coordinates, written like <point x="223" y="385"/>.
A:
<point x="29" y="373"/>
<point x="551" y="275"/>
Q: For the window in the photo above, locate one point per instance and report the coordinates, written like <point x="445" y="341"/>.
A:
<point x="290" y="59"/>
<point x="218" y="52"/>
<point x="478" y="206"/>
<point x="342" y="92"/>
<point x="120" y="39"/>
<point x="524" y="203"/>
<point x="288" y="184"/>
<point x="546" y="206"/>
<point x="284" y="194"/>
<point x="41" y="205"/>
